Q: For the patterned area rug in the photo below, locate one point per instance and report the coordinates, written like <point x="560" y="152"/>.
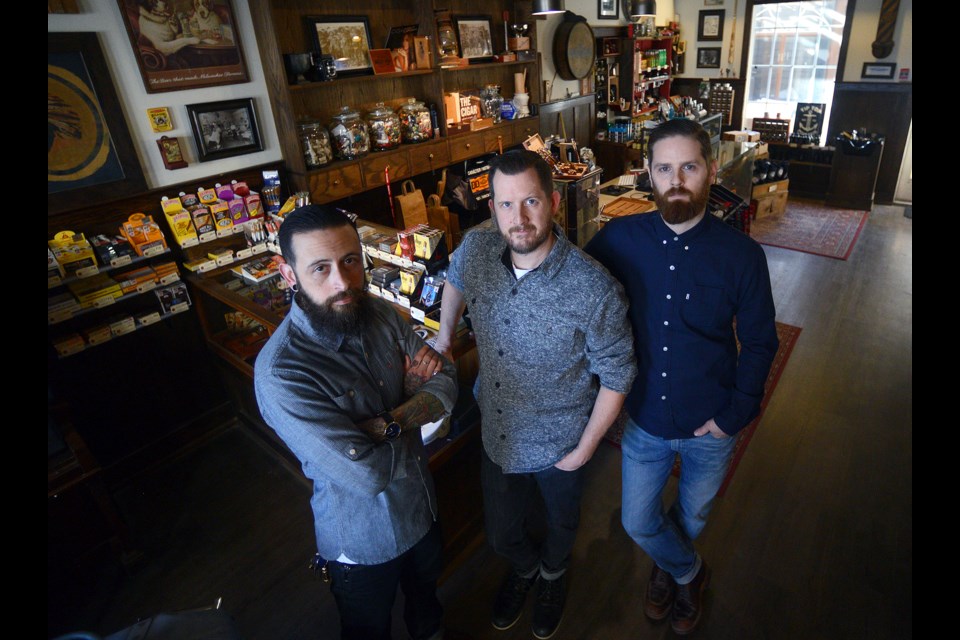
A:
<point x="811" y="227"/>
<point x="788" y="335"/>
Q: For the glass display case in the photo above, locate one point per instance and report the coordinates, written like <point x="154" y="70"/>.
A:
<point x="579" y="202"/>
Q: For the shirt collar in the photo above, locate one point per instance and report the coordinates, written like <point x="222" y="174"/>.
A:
<point x="330" y="339"/>
<point x="551" y="264"/>
<point x="666" y="233"/>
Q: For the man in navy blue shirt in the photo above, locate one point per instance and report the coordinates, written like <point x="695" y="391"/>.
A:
<point x="688" y="277"/>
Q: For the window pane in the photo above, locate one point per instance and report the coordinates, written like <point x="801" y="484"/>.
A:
<point x="801" y="87"/>
<point x="758" y="83"/>
<point x="806" y="50"/>
<point x="783" y="47"/>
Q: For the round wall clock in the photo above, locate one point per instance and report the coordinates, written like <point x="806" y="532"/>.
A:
<point x="574" y="48"/>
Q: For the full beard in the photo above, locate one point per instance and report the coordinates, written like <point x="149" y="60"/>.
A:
<point x="679" y="211"/>
<point x="523" y="247"/>
<point x="338" y="318"/>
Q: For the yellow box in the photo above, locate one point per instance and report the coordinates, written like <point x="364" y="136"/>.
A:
<point x="72" y="251"/>
<point x="181" y="224"/>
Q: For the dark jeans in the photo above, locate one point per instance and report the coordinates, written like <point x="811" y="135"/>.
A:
<point x="506" y="497"/>
<point x="365" y="593"/>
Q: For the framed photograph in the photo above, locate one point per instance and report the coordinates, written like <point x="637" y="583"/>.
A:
<point x="346" y="38"/>
<point x="708" y="58"/>
<point x="397" y="35"/>
<point x="711" y="25"/>
<point x="608" y="9"/>
<point x="882" y="70"/>
<point x="90" y="154"/>
<point x="170" y="153"/>
<point x="226" y="128"/>
<point x="422" y="54"/>
<point x="475" y="34"/>
<point x="184" y="45"/>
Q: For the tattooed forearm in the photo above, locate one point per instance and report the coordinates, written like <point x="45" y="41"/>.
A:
<point x="412" y="383"/>
<point x="419" y="410"/>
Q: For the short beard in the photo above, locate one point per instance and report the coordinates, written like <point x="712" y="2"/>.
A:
<point x="531" y="245"/>
<point x="678" y="211"/>
<point x="339" y="319"/>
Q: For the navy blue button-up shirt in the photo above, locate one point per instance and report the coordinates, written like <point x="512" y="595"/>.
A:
<point x="685" y="292"/>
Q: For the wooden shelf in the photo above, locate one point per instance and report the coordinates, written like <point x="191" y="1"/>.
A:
<point x="87" y="347"/>
<point x="488" y="65"/>
<point x="311" y="86"/>
<point x="133" y="294"/>
<point x="106" y="269"/>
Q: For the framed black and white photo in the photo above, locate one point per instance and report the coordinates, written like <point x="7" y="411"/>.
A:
<point x="476" y="38"/>
<point x="708" y="58"/>
<point x="346" y="38"/>
<point x="711" y="25"/>
<point x="224" y="129"/>
<point x="608" y="9"/>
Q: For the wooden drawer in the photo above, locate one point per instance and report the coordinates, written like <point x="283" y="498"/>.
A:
<point x="494" y="138"/>
<point x="466" y="146"/>
<point x="524" y="128"/>
<point x="374" y="164"/>
<point x="774" y="204"/>
<point x="335" y="183"/>
<point x="428" y="156"/>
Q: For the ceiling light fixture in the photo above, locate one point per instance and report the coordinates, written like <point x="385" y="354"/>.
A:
<point x="546" y="7"/>
<point x="642" y="9"/>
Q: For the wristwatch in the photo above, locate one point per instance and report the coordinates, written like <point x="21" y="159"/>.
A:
<point x="391" y="428"/>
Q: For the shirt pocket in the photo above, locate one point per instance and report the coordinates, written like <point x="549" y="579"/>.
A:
<point x="703" y="306"/>
<point x="350" y="399"/>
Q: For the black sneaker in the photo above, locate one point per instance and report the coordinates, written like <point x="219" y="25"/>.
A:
<point x="548" y="609"/>
<point x="510" y="600"/>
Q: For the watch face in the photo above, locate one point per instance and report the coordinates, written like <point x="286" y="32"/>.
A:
<point x="391" y="431"/>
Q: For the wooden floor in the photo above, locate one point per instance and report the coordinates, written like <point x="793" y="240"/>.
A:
<point x="813" y="539"/>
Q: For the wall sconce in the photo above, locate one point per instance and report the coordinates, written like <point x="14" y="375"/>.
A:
<point x="546" y="7"/>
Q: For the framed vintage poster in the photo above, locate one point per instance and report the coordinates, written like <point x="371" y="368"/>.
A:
<point x="346" y="38"/>
<point x="608" y="9"/>
<point x="184" y="44"/>
<point x="225" y="128"/>
<point x="475" y="34"/>
<point x="90" y="154"/>
<point x="711" y="25"/>
<point x="708" y="58"/>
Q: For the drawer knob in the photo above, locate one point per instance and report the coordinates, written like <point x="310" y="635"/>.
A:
<point x="336" y="183"/>
<point x="468" y="145"/>
<point x="430" y="156"/>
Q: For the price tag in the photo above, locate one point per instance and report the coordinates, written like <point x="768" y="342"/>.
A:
<point x="104" y="301"/>
<point x="209" y="265"/>
<point x="244" y="253"/>
<point x="417" y="313"/>
<point x="122" y="261"/>
<point x="53" y="281"/>
<point x="86" y="272"/>
<point x="375" y="290"/>
<point x="69" y="349"/>
<point x="388" y="295"/>
<point x="146" y="286"/>
<point x="99" y="337"/>
<point x="237" y="228"/>
<point x="190" y="242"/>
<point x="170" y="277"/>
<point x="59" y="316"/>
<point x="154" y="251"/>
<point x="403" y="301"/>
<point x="180" y="306"/>
<point x="149" y="318"/>
<point x="224" y="259"/>
<point x="225" y="233"/>
<point x="259" y="248"/>
<point x="123" y="328"/>
<point x="208" y="236"/>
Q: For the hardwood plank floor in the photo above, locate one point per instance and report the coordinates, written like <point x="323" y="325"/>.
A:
<point x="812" y="540"/>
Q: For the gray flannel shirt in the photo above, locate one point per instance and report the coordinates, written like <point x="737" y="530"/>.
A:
<point x="371" y="502"/>
<point x="546" y="342"/>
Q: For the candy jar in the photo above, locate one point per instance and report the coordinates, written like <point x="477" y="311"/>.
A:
<point x="384" y="128"/>
<point x="349" y="135"/>
<point x="491" y="101"/>
<point x="415" y="122"/>
<point x="316" y="144"/>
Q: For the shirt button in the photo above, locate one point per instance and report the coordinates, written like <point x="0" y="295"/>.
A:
<point x="686" y="247"/>
<point x="473" y="300"/>
<point x="353" y="452"/>
<point x="381" y="383"/>
<point x="672" y="268"/>
<point x="496" y="384"/>
<point x="514" y="292"/>
<point x="503" y="436"/>
<point x="507" y="321"/>
<point x="350" y="393"/>
<point x="664" y="242"/>
<point x="500" y="352"/>
<point x="675" y="238"/>
<point x="499" y="411"/>
<point x="664" y="374"/>
<point x="663" y="397"/>
<point x="668" y="296"/>
<point x="666" y="322"/>
<point x="665" y="348"/>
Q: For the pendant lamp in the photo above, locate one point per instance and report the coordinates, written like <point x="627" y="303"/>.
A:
<point x="642" y="9"/>
<point x="546" y="7"/>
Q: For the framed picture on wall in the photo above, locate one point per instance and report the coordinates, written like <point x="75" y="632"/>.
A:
<point x="224" y="129"/>
<point x="710" y="26"/>
<point x="90" y="154"/>
<point x="708" y="57"/>
<point x="476" y="38"/>
<point x="608" y="9"/>
<point x="346" y="38"/>
<point x="184" y="45"/>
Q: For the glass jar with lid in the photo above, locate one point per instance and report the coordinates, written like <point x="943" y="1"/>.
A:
<point x="384" y="128"/>
<point x="316" y="144"/>
<point x="349" y="135"/>
<point x="491" y="101"/>
<point x="415" y="122"/>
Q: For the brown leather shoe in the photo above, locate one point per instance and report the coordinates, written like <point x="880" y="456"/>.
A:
<point x="688" y="606"/>
<point x="661" y="590"/>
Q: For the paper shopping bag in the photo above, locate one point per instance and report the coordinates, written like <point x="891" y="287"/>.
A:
<point x="411" y="209"/>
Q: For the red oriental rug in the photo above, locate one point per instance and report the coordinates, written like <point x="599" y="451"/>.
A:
<point x="788" y="335"/>
<point x="811" y="227"/>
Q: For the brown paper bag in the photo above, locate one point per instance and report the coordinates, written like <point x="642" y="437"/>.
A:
<point x="411" y="209"/>
<point x="440" y="218"/>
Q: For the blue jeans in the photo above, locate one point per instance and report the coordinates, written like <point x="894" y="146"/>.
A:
<point x="506" y="497"/>
<point x="667" y="536"/>
<point x="365" y="593"/>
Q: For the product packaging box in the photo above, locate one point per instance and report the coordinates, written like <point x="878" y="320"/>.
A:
<point x="73" y="253"/>
<point x="144" y="234"/>
<point x="180" y="222"/>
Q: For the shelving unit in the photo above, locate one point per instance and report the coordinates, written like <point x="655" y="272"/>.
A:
<point x="281" y="29"/>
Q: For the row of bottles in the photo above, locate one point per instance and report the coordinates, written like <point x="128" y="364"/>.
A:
<point x="765" y="170"/>
<point x="349" y="136"/>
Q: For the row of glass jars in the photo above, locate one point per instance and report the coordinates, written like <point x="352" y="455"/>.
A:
<point x="351" y="137"/>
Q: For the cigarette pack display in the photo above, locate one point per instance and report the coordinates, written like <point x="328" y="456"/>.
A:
<point x="259" y="269"/>
<point x="110" y="250"/>
<point x="180" y="221"/>
<point x="54" y="270"/>
<point x="252" y="202"/>
<point x="203" y="221"/>
<point x="73" y="253"/>
<point x="207" y="196"/>
<point x="88" y="289"/>
<point x="143" y="233"/>
<point x="173" y="297"/>
<point x="221" y="218"/>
